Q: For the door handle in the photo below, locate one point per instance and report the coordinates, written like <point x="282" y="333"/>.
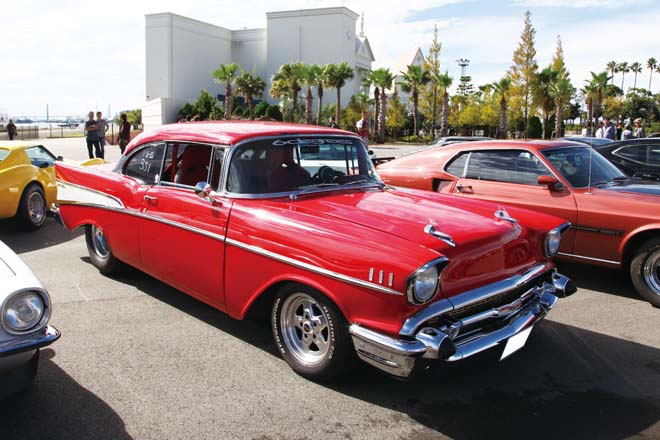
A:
<point x="460" y="188"/>
<point x="151" y="200"/>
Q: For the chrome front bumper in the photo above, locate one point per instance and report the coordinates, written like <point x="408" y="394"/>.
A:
<point x="422" y="337"/>
<point x="21" y="343"/>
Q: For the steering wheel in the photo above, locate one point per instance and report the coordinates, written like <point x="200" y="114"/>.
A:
<point x="326" y="174"/>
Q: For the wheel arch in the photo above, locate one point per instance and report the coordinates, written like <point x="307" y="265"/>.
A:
<point x="635" y="240"/>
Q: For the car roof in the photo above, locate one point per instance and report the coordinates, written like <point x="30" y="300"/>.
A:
<point x="18" y="145"/>
<point x="229" y="132"/>
<point x="500" y="144"/>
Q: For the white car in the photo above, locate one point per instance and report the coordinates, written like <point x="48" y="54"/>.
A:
<point x="25" y="309"/>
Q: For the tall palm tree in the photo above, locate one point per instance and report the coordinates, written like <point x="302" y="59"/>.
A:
<point x="444" y="81"/>
<point x="561" y="90"/>
<point x="501" y="89"/>
<point x="599" y="81"/>
<point x="589" y="91"/>
<point x="319" y="77"/>
<point x="368" y="81"/>
<point x="635" y="68"/>
<point x="290" y="76"/>
<point x="249" y="86"/>
<point x="382" y="79"/>
<point x="308" y="77"/>
<point x="652" y="64"/>
<point x="623" y="68"/>
<point x="611" y="67"/>
<point x="226" y="73"/>
<point x="337" y="75"/>
<point x="544" y="79"/>
<point x="414" y="79"/>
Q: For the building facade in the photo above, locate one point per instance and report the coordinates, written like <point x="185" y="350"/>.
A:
<point x="181" y="54"/>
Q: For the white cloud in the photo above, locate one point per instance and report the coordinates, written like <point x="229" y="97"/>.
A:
<point x="602" y="4"/>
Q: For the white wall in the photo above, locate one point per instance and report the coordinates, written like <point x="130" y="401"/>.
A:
<point x="159" y="111"/>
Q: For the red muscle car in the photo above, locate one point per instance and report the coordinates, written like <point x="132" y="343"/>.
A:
<point x="615" y="220"/>
<point x="293" y="222"/>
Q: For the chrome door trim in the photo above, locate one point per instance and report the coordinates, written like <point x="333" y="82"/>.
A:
<point x="582" y="257"/>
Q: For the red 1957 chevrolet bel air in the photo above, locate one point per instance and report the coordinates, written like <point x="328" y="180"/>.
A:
<point x="293" y="222"/>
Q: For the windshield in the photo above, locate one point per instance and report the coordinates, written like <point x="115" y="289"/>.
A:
<point x="574" y="163"/>
<point x="288" y="164"/>
<point x="3" y="154"/>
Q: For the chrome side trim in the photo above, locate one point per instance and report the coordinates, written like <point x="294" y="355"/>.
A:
<point x="443" y="306"/>
<point x="582" y="257"/>
<point x="70" y="192"/>
<point x="311" y="267"/>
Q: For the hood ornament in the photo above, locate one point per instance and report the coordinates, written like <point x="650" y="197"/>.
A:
<point x="433" y="232"/>
<point x="503" y="214"/>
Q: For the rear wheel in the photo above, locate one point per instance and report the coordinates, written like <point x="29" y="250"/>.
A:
<point x="99" y="251"/>
<point x="645" y="271"/>
<point x="310" y="333"/>
<point x="32" y="209"/>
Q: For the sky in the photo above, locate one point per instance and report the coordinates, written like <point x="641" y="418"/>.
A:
<point x="76" y="56"/>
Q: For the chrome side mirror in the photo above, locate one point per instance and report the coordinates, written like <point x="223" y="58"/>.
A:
<point x="204" y="191"/>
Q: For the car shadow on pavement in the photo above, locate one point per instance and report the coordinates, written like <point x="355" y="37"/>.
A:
<point x="57" y="407"/>
<point x="602" y="279"/>
<point x="22" y="241"/>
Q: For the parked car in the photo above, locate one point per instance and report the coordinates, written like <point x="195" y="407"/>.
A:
<point x="249" y="218"/>
<point x="615" y="219"/>
<point x="448" y="140"/>
<point x="635" y="157"/>
<point x="26" y="308"/>
<point x="591" y="141"/>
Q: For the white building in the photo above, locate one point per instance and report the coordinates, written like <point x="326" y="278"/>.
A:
<point x="181" y="54"/>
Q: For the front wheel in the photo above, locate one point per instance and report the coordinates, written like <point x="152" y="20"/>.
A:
<point x="310" y="333"/>
<point x="32" y="209"/>
<point x="645" y="271"/>
<point x="99" y="251"/>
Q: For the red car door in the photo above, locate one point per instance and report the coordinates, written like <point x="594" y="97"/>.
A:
<point x="182" y="240"/>
<point x="510" y="177"/>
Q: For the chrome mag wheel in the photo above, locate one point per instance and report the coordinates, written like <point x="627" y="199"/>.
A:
<point x="304" y="327"/>
<point x="36" y="206"/>
<point x="651" y="271"/>
<point x="99" y="243"/>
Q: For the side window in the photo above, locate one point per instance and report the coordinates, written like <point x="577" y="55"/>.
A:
<point x="508" y="166"/>
<point x="145" y="164"/>
<point x="636" y="153"/>
<point x="39" y="155"/>
<point x="457" y="166"/>
<point x="187" y="164"/>
<point x="654" y="155"/>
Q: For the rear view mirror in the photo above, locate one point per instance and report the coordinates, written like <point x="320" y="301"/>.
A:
<point x="550" y="181"/>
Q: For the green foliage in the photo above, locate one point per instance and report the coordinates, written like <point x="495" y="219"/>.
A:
<point x="188" y="110"/>
<point x="205" y="105"/>
<point x="534" y="128"/>
<point x="273" y="112"/>
<point x="328" y="111"/>
<point x="523" y="70"/>
<point x="353" y="112"/>
<point x="260" y="109"/>
<point x="132" y="116"/>
<point x="396" y="116"/>
<point x="336" y="76"/>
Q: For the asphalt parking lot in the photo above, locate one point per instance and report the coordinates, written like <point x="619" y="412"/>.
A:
<point x="139" y="359"/>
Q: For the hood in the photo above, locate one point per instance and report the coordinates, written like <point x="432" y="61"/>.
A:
<point x="637" y="186"/>
<point x="486" y="248"/>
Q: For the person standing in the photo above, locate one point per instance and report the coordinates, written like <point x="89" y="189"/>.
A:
<point x="627" y="132"/>
<point x="11" y="130"/>
<point x="101" y="127"/>
<point x="124" y="132"/>
<point x="639" y="131"/>
<point x="609" y="131"/>
<point x="91" y="136"/>
<point x="363" y="128"/>
<point x="333" y="122"/>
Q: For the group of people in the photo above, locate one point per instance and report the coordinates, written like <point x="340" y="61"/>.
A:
<point x="95" y="130"/>
<point x="621" y="132"/>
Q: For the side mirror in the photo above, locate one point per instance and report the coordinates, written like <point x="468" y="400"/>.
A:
<point x="550" y="181"/>
<point x="59" y="158"/>
<point x="370" y="152"/>
<point x="204" y="191"/>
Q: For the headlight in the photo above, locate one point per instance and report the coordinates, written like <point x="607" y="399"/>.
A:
<point x="23" y="311"/>
<point x="423" y="284"/>
<point x="552" y="242"/>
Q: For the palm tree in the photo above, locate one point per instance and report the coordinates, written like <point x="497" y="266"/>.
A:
<point x="444" y="81"/>
<point x="635" y="68"/>
<point x="383" y="80"/>
<point x="611" y="67"/>
<point x="319" y="77"/>
<point x="652" y="64"/>
<point x="544" y="79"/>
<point x="290" y="76"/>
<point x="308" y="77"/>
<point x="623" y="68"/>
<point x="561" y="90"/>
<point x="367" y="82"/>
<point x="337" y="75"/>
<point x="501" y="89"/>
<point x="415" y="78"/>
<point x="599" y="81"/>
<point x="249" y="86"/>
<point x="226" y="73"/>
<point x="589" y="91"/>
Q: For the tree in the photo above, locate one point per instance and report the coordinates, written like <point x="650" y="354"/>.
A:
<point x="599" y="82"/>
<point x="635" y="68"/>
<point x="396" y="115"/>
<point x="623" y="68"/>
<point x="288" y="78"/>
<point x="414" y="78"/>
<point x="561" y="90"/>
<point x="337" y="75"/>
<point x="444" y="82"/>
<point x="523" y="71"/>
<point x="205" y="105"/>
<point x="589" y="91"/>
<point x="432" y="64"/>
<point x="320" y="79"/>
<point x="249" y="86"/>
<point x="383" y="80"/>
<point x="652" y="64"/>
<point x="226" y="74"/>
<point x="368" y="81"/>
<point x="357" y="104"/>
<point x="612" y="68"/>
<point x="543" y="96"/>
<point x="308" y="76"/>
<point x="501" y="89"/>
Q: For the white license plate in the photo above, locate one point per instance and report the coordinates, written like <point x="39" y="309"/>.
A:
<point x="516" y="342"/>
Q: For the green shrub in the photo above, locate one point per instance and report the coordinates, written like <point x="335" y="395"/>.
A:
<point x="273" y="112"/>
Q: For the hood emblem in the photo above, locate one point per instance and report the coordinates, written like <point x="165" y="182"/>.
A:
<point x="433" y="232"/>
<point x="503" y="214"/>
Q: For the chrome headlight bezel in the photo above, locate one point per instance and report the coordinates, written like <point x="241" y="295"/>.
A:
<point x="552" y="240"/>
<point x="432" y="269"/>
<point x="38" y="324"/>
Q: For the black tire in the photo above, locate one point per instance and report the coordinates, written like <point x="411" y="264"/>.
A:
<point x="99" y="251"/>
<point x="32" y="210"/>
<point x="317" y="362"/>
<point x="645" y="271"/>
